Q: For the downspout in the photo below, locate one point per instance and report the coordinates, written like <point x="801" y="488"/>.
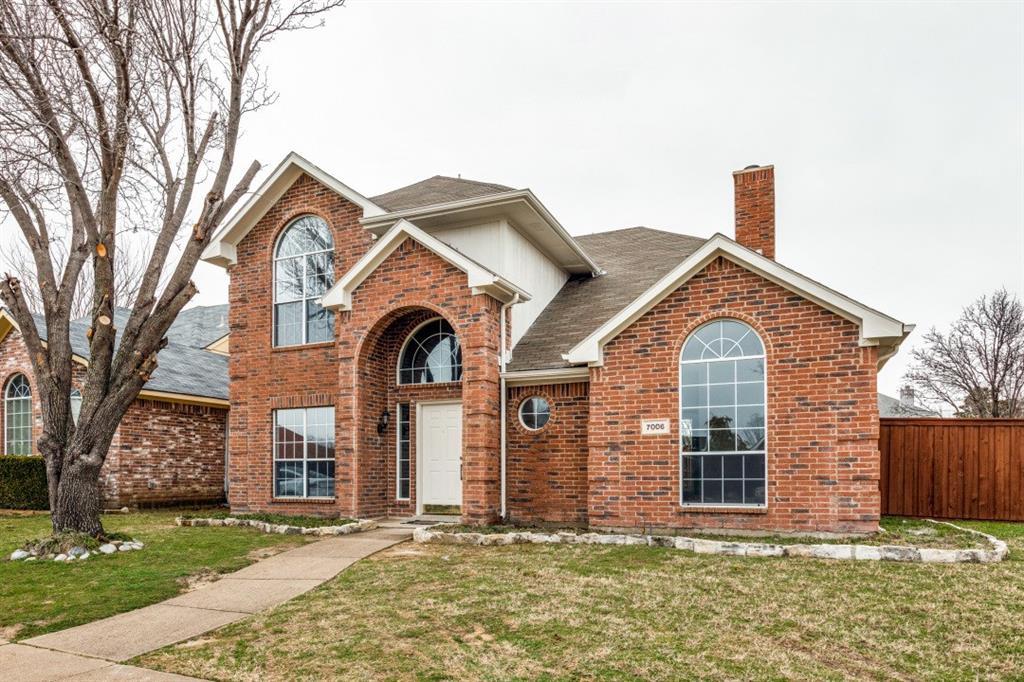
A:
<point x="502" y="356"/>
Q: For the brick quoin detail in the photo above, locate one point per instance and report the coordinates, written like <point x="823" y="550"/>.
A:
<point x="822" y="442"/>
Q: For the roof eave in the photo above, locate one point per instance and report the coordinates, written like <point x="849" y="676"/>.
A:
<point x="876" y="329"/>
<point x="478" y="278"/>
<point x="380" y="224"/>
<point x="221" y="249"/>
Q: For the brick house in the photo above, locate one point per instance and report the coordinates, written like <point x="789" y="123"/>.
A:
<point x="449" y="345"/>
<point x="170" y="446"/>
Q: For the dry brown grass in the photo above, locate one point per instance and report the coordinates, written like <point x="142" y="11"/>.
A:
<point x="628" y="613"/>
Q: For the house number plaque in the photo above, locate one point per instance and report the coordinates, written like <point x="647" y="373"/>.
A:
<point x="654" y="427"/>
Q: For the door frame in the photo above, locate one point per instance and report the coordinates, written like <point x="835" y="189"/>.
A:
<point x="419" y="448"/>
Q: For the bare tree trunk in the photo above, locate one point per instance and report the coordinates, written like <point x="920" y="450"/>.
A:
<point x="112" y="114"/>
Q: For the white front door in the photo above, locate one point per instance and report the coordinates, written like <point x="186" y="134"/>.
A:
<point x="440" y="453"/>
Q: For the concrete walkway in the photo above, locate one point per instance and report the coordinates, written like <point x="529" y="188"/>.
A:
<point x="94" y="650"/>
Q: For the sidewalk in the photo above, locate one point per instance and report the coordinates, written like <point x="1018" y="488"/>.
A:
<point x="94" y="650"/>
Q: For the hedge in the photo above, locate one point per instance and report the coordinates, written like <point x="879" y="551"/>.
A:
<point x="23" y="483"/>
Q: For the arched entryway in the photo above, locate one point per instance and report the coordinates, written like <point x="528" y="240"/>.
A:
<point x="409" y="407"/>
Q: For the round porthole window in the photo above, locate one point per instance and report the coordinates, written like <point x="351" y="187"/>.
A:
<point x="534" y="413"/>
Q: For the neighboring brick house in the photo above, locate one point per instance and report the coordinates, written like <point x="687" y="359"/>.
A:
<point x="170" y="446"/>
<point x="649" y="379"/>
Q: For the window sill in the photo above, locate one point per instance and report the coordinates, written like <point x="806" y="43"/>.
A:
<point x="303" y="500"/>
<point x="721" y="509"/>
<point x="302" y="346"/>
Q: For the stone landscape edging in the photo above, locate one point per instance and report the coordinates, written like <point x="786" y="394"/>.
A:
<point x="281" y="528"/>
<point x="997" y="553"/>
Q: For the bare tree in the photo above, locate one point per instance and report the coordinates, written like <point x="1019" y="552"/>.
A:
<point x="129" y="266"/>
<point x="978" y="367"/>
<point x="120" y="114"/>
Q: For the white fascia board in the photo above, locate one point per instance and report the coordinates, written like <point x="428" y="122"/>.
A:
<point x="541" y="377"/>
<point x="875" y="327"/>
<point x="376" y="223"/>
<point x="221" y="249"/>
<point x="478" y="278"/>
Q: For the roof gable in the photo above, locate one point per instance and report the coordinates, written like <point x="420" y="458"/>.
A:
<point x="221" y="249"/>
<point x="876" y="329"/>
<point x="479" y="278"/>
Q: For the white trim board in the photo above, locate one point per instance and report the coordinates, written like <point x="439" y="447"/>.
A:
<point x="876" y="329"/>
<point x="478" y="278"/>
<point x="221" y="249"/>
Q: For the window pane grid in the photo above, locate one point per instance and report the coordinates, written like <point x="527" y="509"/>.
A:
<point x="303" y="272"/>
<point x="304" y="452"/>
<point x="431" y="355"/>
<point x="18" y="417"/>
<point x="722" y="410"/>
<point x="403" y="473"/>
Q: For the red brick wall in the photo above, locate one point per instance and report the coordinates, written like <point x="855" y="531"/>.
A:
<point x="547" y="468"/>
<point x="411" y="280"/>
<point x="166" y="453"/>
<point x="411" y="285"/>
<point x="755" y="209"/>
<point x="823" y="462"/>
<point x="162" y="453"/>
<point x="264" y="378"/>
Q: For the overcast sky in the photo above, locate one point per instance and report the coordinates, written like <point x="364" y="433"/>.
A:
<point x="895" y="129"/>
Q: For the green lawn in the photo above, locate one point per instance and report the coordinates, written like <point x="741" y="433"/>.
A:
<point x="42" y="596"/>
<point x="570" y="612"/>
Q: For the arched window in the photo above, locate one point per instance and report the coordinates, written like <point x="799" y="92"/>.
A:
<point x="18" y="416"/>
<point x="722" y="416"/>
<point x="431" y="355"/>
<point x="303" y="272"/>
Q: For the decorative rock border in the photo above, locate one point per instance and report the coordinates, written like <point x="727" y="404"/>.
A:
<point x="281" y="529"/>
<point x="997" y="552"/>
<point x="78" y="553"/>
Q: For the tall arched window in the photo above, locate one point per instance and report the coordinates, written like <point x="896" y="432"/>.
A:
<point x="431" y="355"/>
<point x="18" y="416"/>
<point x="722" y="416"/>
<point x="303" y="272"/>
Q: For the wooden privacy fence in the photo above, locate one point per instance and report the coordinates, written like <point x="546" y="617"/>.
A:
<point x="953" y="468"/>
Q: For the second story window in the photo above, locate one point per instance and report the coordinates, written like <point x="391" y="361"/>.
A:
<point x="303" y="272"/>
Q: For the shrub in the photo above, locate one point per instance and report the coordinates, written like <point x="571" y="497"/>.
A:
<point x="23" y="483"/>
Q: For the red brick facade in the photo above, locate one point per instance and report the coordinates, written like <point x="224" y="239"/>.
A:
<point x="822" y="415"/>
<point x="356" y="373"/>
<point x="163" y="453"/>
<point x="589" y="464"/>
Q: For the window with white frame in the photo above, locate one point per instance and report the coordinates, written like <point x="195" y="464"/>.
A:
<point x="18" y="416"/>
<point x="76" y="404"/>
<point x="303" y="272"/>
<point x="534" y="413"/>
<point x="722" y="416"/>
<point x="431" y="355"/>
<point x="304" y="452"/>
<point x="403" y="469"/>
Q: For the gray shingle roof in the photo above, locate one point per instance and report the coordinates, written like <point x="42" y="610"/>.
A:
<point x="199" y="327"/>
<point x="436" y="190"/>
<point x="893" y="407"/>
<point x="633" y="260"/>
<point x="182" y="369"/>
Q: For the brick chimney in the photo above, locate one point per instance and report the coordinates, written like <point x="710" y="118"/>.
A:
<point x="755" y="208"/>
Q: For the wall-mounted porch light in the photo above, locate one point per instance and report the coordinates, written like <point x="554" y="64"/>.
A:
<point x="382" y="422"/>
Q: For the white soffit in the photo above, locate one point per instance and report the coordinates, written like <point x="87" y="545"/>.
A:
<point x="478" y="278"/>
<point x="876" y="329"/>
<point x="221" y="249"/>
<point x="523" y="209"/>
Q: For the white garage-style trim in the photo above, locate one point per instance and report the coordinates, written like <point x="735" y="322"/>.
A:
<point x="876" y="329"/>
<point x="478" y="278"/>
<point x="221" y="249"/>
